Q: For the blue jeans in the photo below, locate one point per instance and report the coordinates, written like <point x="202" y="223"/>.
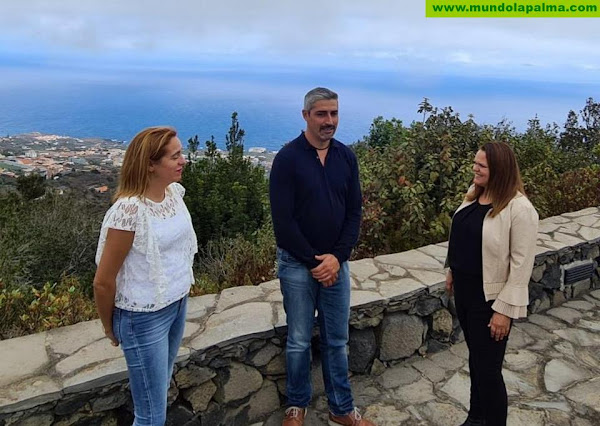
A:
<point x="302" y="295"/>
<point x="150" y="341"/>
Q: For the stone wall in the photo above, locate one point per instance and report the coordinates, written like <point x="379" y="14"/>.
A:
<point x="231" y="366"/>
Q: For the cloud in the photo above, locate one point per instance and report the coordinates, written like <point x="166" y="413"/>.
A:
<point x="355" y="33"/>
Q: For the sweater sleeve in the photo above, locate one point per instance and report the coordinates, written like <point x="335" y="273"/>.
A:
<point x="287" y="231"/>
<point x="514" y="296"/>
<point x="351" y="227"/>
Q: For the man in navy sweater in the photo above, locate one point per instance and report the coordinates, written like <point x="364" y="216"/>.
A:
<point x="316" y="207"/>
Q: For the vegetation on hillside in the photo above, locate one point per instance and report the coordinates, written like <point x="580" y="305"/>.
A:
<point x="413" y="177"/>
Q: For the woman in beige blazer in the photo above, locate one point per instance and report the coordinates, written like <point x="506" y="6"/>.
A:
<point x="490" y="258"/>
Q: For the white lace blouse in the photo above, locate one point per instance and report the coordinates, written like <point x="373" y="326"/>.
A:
<point x="158" y="268"/>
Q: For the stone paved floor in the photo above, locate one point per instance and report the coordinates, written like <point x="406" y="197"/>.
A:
<point x="551" y="370"/>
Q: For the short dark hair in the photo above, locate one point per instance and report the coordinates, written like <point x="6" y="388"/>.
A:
<point x="318" y="94"/>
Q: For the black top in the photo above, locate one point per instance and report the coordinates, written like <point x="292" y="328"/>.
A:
<point x="464" y="247"/>
<point x="316" y="208"/>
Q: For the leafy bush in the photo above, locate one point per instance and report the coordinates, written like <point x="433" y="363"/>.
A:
<point x="230" y="262"/>
<point x="31" y="310"/>
<point x="226" y="195"/>
<point x="413" y="178"/>
<point x="46" y="238"/>
<point x="569" y="191"/>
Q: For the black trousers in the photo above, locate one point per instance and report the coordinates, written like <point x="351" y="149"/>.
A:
<point x="489" y="400"/>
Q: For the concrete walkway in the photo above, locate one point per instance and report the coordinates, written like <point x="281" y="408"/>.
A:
<point x="551" y="370"/>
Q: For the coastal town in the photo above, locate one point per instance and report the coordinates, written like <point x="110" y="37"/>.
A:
<point x="63" y="157"/>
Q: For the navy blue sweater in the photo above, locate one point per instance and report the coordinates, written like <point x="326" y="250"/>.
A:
<point x="316" y="208"/>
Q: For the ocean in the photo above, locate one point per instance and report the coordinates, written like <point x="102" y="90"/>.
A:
<point x="115" y="105"/>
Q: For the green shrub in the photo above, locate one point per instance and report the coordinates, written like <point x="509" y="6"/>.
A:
<point x="46" y="238"/>
<point x="31" y="310"/>
<point x="567" y="192"/>
<point x="230" y="262"/>
<point x="413" y="178"/>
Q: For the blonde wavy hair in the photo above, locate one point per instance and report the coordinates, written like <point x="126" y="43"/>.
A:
<point x="147" y="147"/>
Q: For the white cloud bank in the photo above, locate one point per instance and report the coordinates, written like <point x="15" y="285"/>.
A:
<point x="354" y="33"/>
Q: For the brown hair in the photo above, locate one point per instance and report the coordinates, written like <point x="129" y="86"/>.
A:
<point x="146" y="147"/>
<point x="505" y="178"/>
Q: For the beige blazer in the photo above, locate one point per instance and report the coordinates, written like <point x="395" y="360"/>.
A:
<point x="509" y="241"/>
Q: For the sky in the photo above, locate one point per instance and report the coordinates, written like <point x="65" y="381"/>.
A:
<point x="352" y="41"/>
<point x="384" y="34"/>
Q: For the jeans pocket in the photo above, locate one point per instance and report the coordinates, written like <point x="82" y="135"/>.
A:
<point x="116" y="323"/>
<point x="285" y="256"/>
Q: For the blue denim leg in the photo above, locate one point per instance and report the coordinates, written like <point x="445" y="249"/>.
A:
<point x="175" y="336"/>
<point x="333" y="305"/>
<point x="150" y="341"/>
<point x="299" y="291"/>
<point x="302" y="296"/>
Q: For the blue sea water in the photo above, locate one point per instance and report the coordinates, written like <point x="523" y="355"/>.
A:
<point x="116" y="105"/>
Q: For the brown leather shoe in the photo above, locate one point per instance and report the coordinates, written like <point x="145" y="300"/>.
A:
<point x="294" y="416"/>
<point x="352" y="419"/>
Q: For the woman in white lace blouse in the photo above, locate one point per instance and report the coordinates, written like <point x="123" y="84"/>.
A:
<point x="145" y="254"/>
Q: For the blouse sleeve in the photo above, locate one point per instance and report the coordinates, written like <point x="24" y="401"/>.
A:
<point x="178" y="189"/>
<point x="123" y="215"/>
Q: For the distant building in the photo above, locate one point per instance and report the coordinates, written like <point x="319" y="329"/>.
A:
<point x="257" y="150"/>
<point x="15" y="166"/>
<point x="78" y="160"/>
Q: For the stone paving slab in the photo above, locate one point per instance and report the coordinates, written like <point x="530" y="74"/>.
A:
<point x="360" y="298"/>
<point x="579" y="213"/>
<point x="433" y="280"/>
<point x="240" y="322"/>
<point x="97" y="375"/>
<point x="68" y="340"/>
<point x="579" y="337"/>
<point x="28" y="394"/>
<point x="566" y="314"/>
<point x="401" y="289"/>
<point x="393" y="270"/>
<point x="580" y="305"/>
<point x="271" y="285"/>
<point x="412" y="259"/>
<point x="14" y="366"/>
<point x="589" y="233"/>
<point x="198" y="307"/>
<point x="96" y="352"/>
<point x="363" y="269"/>
<point x="434" y="250"/>
<point x="237" y="296"/>
<point x="521" y="360"/>
<point x="560" y="374"/>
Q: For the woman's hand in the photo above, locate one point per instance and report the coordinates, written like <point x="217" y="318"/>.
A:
<point x="499" y="326"/>
<point x="111" y="336"/>
<point x="449" y="282"/>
